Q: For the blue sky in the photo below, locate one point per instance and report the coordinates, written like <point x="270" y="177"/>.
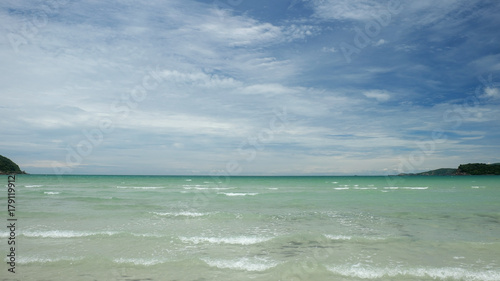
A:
<point x="237" y="87"/>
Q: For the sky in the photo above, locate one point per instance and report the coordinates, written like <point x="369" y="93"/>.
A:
<point x="249" y="87"/>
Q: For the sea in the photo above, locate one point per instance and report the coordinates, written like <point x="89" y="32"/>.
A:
<point x="188" y="228"/>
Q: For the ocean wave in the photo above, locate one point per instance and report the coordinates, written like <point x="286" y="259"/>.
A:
<point x="64" y="234"/>
<point x="445" y="273"/>
<point x="138" y="261"/>
<point x="140" y="187"/>
<point x="341" y="188"/>
<point x="355" y="238"/>
<point x="239" y="193"/>
<point x="239" y="240"/>
<point x="35" y="259"/>
<point x="153" y="235"/>
<point x="57" y="234"/>
<point x="181" y="214"/>
<point x="204" y="187"/>
<point x="51" y="192"/>
<point x="338" y="237"/>
<point x="247" y="264"/>
<point x="34" y="185"/>
<point x="406" y="187"/>
<point x="358" y="238"/>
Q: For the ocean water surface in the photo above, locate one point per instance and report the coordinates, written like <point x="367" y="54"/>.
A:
<point x="254" y="228"/>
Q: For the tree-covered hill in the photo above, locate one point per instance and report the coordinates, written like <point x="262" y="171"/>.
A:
<point x="7" y="166"/>
<point x="479" y="169"/>
<point x="471" y="169"/>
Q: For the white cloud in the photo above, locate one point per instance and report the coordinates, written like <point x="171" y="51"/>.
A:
<point x="361" y="10"/>
<point x="379" y="95"/>
<point x="294" y="32"/>
<point x="379" y="42"/>
<point x="329" y="50"/>
<point x="447" y="12"/>
<point x="492" y="93"/>
<point x="406" y="48"/>
<point x="240" y="31"/>
<point x="198" y="78"/>
<point x="223" y="73"/>
<point x="44" y="164"/>
<point x="178" y="145"/>
<point x="271" y="89"/>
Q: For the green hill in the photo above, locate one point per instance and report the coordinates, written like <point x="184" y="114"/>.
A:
<point x="479" y="169"/>
<point x="440" y="172"/>
<point x="7" y="166"/>
<point x="471" y="169"/>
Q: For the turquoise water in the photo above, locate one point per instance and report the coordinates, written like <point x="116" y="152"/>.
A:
<point x="254" y="228"/>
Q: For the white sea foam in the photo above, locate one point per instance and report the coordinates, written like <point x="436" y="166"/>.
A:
<point x="239" y="240"/>
<point x="51" y="192"/>
<point x="337" y="237"/>
<point x="406" y="187"/>
<point x="147" y="235"/>
<point x="64" y="234"/>
<point x="365" y="188"/>
<point x="34" y="185"/>
<point x="416" y="187"/>
<point x="238" y="193"/>
<point x="215" y="188"/>
<point x="137" y="261"/>
<point x="341" y="188"/>
<point x="247" y="264"/>
<point x="180" y="214"/>
<point x="140" y="187"/>
<point x="28" y="259"/>
<point x="273" y="188"/>
<point x="346" y="237"/>
<point x="477" y="187"/>
<point x="204" y="187"/>
<point x="445" y="273"/>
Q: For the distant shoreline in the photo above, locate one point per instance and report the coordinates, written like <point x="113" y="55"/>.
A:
<point x="471" y="169"/>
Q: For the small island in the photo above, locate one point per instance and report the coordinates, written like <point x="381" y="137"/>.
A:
<point x="8" y="167"/>
<point x="471" y="169"/>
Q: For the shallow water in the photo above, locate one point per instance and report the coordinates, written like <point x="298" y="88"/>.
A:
<point x="259" y="228"/>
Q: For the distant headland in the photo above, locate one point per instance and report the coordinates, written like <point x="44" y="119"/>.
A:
<point x="8" y="167"/>
<point x="471" y="169"/>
